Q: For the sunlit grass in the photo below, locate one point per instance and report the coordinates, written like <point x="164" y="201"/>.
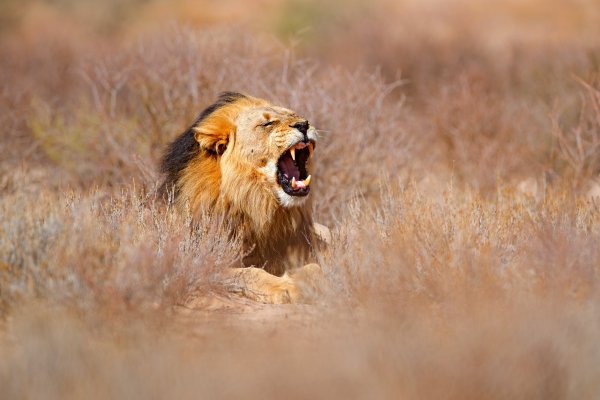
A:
<point x="457" y="169"/>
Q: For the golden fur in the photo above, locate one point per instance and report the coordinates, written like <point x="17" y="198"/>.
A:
<point x="226" y="162"/>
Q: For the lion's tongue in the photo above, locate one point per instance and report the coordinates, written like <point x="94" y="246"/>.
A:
<point x="289" y="169"/>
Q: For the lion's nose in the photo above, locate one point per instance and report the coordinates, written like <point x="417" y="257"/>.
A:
<point x="302" y="126"/>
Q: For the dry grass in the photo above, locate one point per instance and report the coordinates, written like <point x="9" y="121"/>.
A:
<point x="461" y="193"/>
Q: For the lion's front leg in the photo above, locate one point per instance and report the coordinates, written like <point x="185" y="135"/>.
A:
<point x="301" y="285"/>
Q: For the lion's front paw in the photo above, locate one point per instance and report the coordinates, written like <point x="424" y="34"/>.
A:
<point x="310" y="282"/>
<point x="302" y="285"/>
<point x="280" y="293"/>
<point x="259" y="285"/>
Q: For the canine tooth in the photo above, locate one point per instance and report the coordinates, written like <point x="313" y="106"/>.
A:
<point x="293" y="153"/>
<point x="294" y="185"/>
<point x="307" y="181"/>
<point x="310" y="149"/>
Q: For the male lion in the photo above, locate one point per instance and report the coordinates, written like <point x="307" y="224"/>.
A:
<point x="251" y="160"/>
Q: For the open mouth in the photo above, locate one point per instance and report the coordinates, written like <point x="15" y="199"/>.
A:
<point x="291" y="169"/>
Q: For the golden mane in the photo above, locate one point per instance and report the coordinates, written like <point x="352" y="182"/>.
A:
<point x="210" y="169"/>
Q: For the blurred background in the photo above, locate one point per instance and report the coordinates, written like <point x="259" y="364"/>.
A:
<point x="490" y="89"/>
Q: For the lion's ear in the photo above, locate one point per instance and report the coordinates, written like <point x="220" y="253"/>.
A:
<point x="213" y="133"/>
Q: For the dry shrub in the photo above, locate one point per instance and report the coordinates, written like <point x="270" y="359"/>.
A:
<point x="118" y="251"/>
<point x="463" y="298"/>
<point x="481" y="80"/>
<point x="462" y="247"/>
<point x="478" y="133"/>
<point x="577" y="148"/>
<point x="449" y="276"/>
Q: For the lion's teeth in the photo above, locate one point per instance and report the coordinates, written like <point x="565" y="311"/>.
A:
<point x="307" y="181"/>
<point x="293" y="153"/>
<point x="294" y="185"/>
<point x="310" y="149"/>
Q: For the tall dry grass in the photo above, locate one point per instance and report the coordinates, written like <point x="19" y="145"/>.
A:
<point x="457" y="168"/>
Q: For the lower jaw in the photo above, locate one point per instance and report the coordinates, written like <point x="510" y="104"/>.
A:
<point x="296" y="193"/>
<point x="289" y="201"/>
<point x="300" y="192"/>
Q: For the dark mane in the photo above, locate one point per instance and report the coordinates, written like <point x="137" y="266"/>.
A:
<point x="184" y="148"/>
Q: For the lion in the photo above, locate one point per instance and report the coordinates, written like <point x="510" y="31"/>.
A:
<point x="251" y="161"/>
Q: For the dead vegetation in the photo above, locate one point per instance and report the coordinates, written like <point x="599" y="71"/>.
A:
<point x="458" y="168"/>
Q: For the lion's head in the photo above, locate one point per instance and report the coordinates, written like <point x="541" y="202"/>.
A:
<point x="248" y="158"/>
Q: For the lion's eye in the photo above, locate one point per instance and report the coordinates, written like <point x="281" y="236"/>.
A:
<point x="268" y="123"/>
